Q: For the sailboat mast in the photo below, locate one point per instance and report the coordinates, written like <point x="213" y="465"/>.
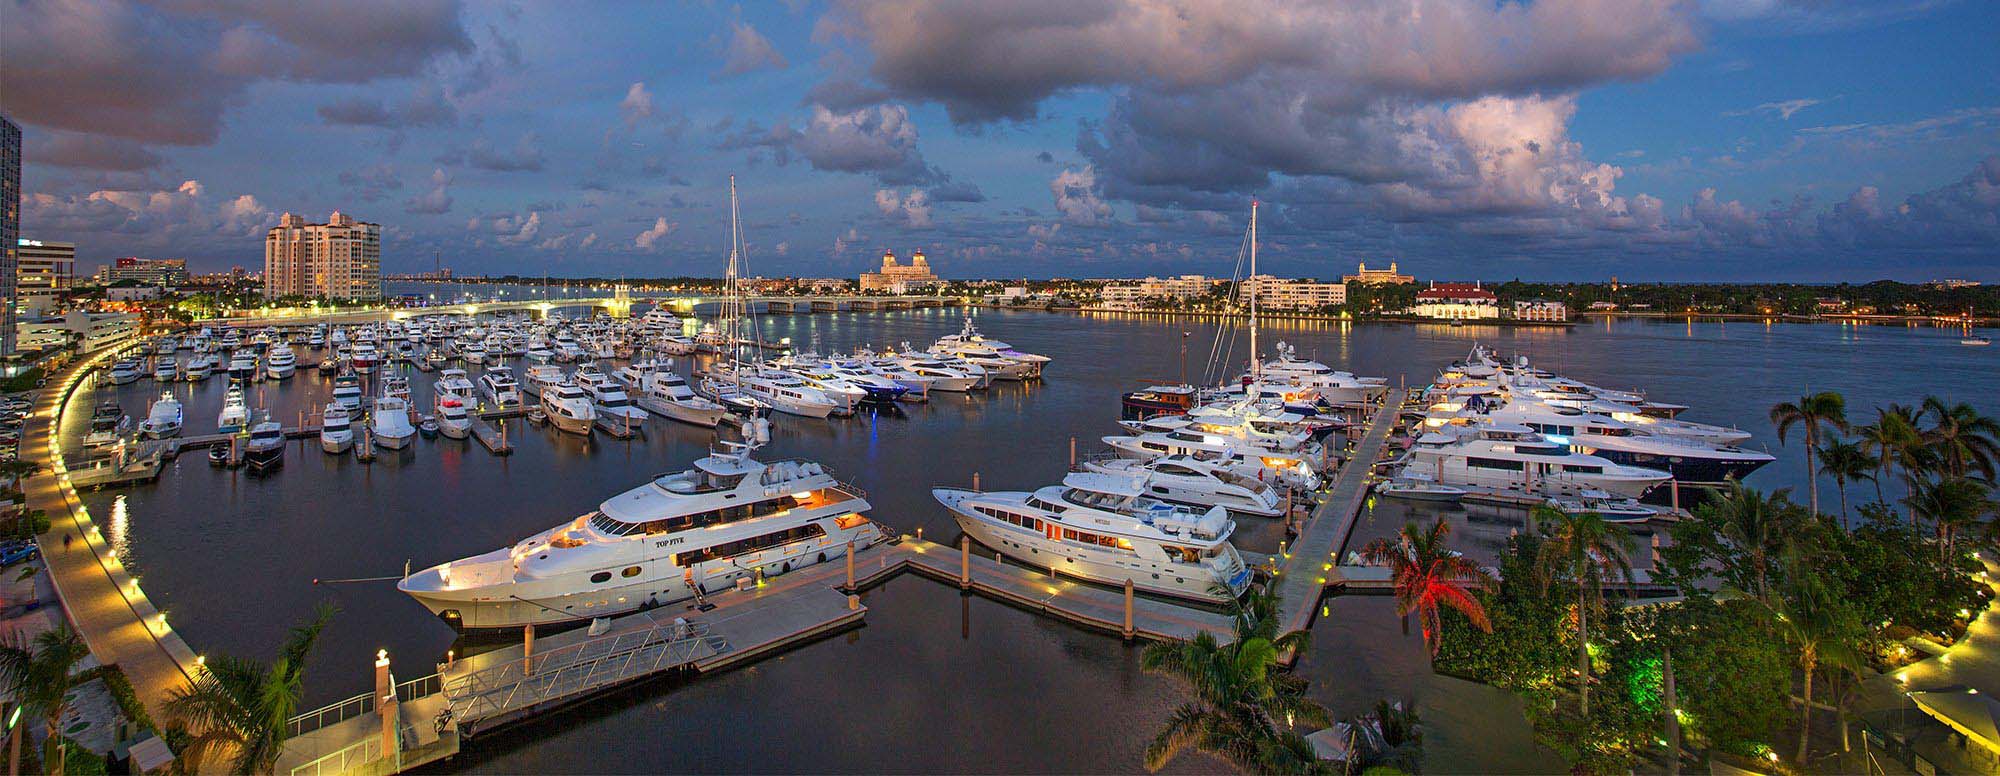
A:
<point x="1256" y="360"/>
<point x="734" y="306"/>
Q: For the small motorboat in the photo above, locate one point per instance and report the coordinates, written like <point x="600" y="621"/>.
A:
<point x="218" y="456"/>
<point x="537" y="416"/>
<point x="1417" y="488"/>
<point x="428" y="428"/>
<point x="1975" y="340"/>
<point x="1607" y="506"/>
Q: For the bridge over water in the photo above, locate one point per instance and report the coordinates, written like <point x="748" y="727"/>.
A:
<point x="618" y="306"/>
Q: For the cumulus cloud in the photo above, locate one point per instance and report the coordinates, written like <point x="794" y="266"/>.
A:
<point x="166" y="73"/>
<point x="646" y="240"/>
<point x="435" y="201"/>
<point x="523" y="231"/>
<point x="525" y="156"/>
<point x="879" y="140"/>
<point x="151" y="218"/>
<point x="1075" y="193"/>
<point x="638" y="103"/>
<point x="749" y="50"/>
<point x="912" y="209"/>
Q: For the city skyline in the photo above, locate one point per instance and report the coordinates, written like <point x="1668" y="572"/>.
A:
<point x="1721" y="140"/>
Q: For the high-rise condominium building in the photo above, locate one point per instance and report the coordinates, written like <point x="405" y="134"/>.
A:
<point x="340" y="259"/>
<point x="44" y="269"/>
<point x="10" y="225"/>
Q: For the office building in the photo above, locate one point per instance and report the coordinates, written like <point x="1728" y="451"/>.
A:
<point x="10" y="226"/>
<point x="44" y="271"/>
<point x="164" y="273"/>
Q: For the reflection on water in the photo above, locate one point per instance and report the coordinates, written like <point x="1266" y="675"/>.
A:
<point x="930" y="683"/>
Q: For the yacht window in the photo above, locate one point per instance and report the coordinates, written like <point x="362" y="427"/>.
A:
<point x="1071" y="534"/>
<point x="749" y="545"/>
<point x="600" y="577"/>
<point x="1541" y="450"/>
<point x="630" y="571"/>
<point x="1494" y="463"/>
<point x="1584" y="469"/>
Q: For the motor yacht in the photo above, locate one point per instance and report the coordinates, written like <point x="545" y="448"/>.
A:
<point x="265" y="452"/>
<point x="1332" y="385"/>
<point x="943" y="376"/>
<point x="1688" y="459"/>
<point x="1193" y="482"/>
<point x="473" y="353"/>
<point x="667" y="393"/>
<point x="281" y="362"/>
<point x="969" y="344"/>
<point x="1296" y="469"/>
<point x="729" y="518"/>
<point x="235" y="413"/>
<point x="540" y="352"/>
<point x="126" y="370"/>
<point x="165" y="369"/>
<point x="1416" y="486"/>
<point x="1104" y="528"/>
<point x="243" y="365"/>
<point x="201" y="366"/>
<point x="567" y="405"/>
<point x="782" y="391"/>
<point x="163" y="419"/>
<point x="389" y="423"/>
<point x="453" y="419"/>
<point x="453" y="384"/>
<point x="364" y="357"/>
<point x="397" y="386"/>
<point x="499" y="387"/>
<point x="347" y="391"/>
<point x="336" y="428"/>
<point x="1516" y="459"/>
<point x="609" y="400"/>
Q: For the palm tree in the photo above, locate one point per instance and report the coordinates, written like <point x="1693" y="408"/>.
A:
<point x="1391" y="735"/>
<point x="1894" y="441"/>
<point x="1820" y="625"/>
<point x="39" y="674"/>
<point x="1239" y="695"/>
<point x="1813" y="411"/>
<point x="1847" y="462"/>
<point x="1583" y="548"/>
<point x="1962" y="438"/>
<point x="1759" y="527"/>
<point x="1428" y="577"/>
<point x="1950" y="504"/>
<point x="242" y="708"/>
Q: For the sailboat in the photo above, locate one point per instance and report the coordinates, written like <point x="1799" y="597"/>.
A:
<point x="737" y="383"/>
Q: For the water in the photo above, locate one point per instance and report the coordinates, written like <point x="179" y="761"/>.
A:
<point x="934" y="681"/>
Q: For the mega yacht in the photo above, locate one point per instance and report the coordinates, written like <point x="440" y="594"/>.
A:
<point x="389" y="422"/>
<point x="969" y="344"/>
<point x="163" y="419"/>
<point x="499" y="387"/>
<point x="336" y="428"/>
<point x="944" y="375"/>
<point x="1332" y="385"/>
<point x="126" y="371"/>
<point x="568" y="406"/>
<point x="165" y="368"/>
<point x="1191" y="481"/>
<point x="453" y="419"/>
<point x="1236" y="455"/>
<point x="730" y="517"/>
<point x="1518" y="460"/>
<point x="1688" y="459"/>
<point x="281" y="363"/>
<point x="265" y="451"/>
<point x="667" y="393"/>
<point x="452" y="384"/>
<point x="782" y="391"/>
<point x="235" y="413"/>
<point x="1104" y="528"/>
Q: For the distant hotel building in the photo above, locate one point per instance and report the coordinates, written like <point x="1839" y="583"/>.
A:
<point x="1460" y="301"/>
<point x="1378" y="277"/>
<point x="340" y="259"/>
<point x="45" y="270"/>
<point x="899" y="279"/>
<point x="1541" y="310"/>
<point x="163" y="273"/>
<point x="1131" y="294"/>
<point x="10" y="227"/>
<point x="1302" y="295"/>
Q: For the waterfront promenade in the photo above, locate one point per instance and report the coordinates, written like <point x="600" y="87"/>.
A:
<point x="101" y="599"/>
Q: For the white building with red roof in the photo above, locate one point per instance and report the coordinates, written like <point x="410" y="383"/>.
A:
<point x="1457" y="301"/>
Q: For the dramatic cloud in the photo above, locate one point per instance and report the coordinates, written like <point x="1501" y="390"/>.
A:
<point x="879" y="140"/>
<point x="647" y="240"/>
<point x="524" y="230"/>
<point x="95" y="152"/>
<point x="166" y="73"/>
<point x="151" y="217"/>
<point x="1076" y="197"/>
<point x="749" y="50"/>
<point x="436" y="201"/>
<point x="912" y="209"/>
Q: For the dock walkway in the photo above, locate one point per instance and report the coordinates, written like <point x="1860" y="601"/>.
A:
<point x="1305" y="572"/>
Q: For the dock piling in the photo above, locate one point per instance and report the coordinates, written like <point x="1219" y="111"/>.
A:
<point x="1072" y="452"/>
<point x="385" y="701"/>
<point x="1128" y="610"/>
<point x="528" y="649"/>
<point x="850" y="565"/>
<point x="975" y="487"/>
<point x="964" y="563"/>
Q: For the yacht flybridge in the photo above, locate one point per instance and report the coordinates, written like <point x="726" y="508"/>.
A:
<point x="686" y="533"/>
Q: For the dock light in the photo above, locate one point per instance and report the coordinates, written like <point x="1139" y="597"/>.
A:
<point x="1965" y="613"/>
<point x="14" y="717"/>
<point x="381" y="658"/>
<point x="1772" y="756"/>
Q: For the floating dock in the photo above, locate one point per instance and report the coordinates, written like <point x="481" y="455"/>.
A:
<point x="1306" y="568"/>
<point x="495" y="441"/>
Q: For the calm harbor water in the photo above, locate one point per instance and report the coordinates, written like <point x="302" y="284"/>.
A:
<point x="934" y="681"/>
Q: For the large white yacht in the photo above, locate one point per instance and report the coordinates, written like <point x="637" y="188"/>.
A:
<point x="243" y="365"/>
<point x="1601" y="434"/>
<point x="125" y="371"/>
<point x="499" y="387"/>
<point x="969" y="344"/>
<point x="1516" y="459"/>
<point x="453" y="420"/>
<point x="235" y="414"/>
<point x="783" y="391"/>
<point x="389" y="422"/>
<point x="1332" y="385"/>
<point x="568" y="407"/>
<point x="1187" y="480"/>
<point x="1104" y="528"/>
<point x="609" y="399"/>
<point x="729" y="517"/>
<point x="347" y="391"/>
<point x="163" y="419"/>
<point x="336" y="429"/>
<point x="364" y="357"/>
<point x="281" y="362"/>
<point x="667" y="393"/>
<point x="452" y="384"/>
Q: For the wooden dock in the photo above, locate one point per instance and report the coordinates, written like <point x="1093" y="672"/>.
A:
<point x="1307" y="567"/>
<point x="495" y="441"/>
<point x="619" y="429"/>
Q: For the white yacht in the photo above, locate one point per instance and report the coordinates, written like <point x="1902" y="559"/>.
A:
<point x="969" y="344"/>
<point x="609" y="399"/>
<point x="235" y="413"/>
<point x="452" y="384"/>
<point x="567" y="350"/>
<point x="1516" y="459"/>
<point x="1332" y="385"/>
<point x="453" y="420"/>
<point x="163" y="419"/>
<point x="347" y="391"/>
<point x="542" y="377"/>
<point x="389" y="423"/>
<point x="1104" y="528"/>
<point x="473" y="353"/>
<point x="265" y="451"/>
<point x="126" y="371"/>
<point x="1191" y="481"/>
<point x="783" y="391"/>
<point x="243" y="365"/>
<point x="567" y="406"/>
<point x="336" y="428"/>
<point x="731" y="517"/>
<point x="1601" y="434"/>
<point x="200" y="366"/>
<point x="667" y="393"/>
<point x="499" y="387"/>
<point x="364" y="357"/>
<point x="1291" y="468"/>
<point x="165" y="368"/>
<point x="281" y="362"/>
<point x="942" y="376"/>
<point x="540" y="352"/>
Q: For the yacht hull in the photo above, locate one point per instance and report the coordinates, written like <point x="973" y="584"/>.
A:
<point x="1688" y="469"/>
<point x="1078" y="561"/>
<point x="336" y="445"/>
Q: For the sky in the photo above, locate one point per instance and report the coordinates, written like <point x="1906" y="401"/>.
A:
<point x="1675" y="140"/>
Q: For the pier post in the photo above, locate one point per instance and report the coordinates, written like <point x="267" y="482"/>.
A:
<point x="1072" y="452"/>
<point x="975" y="482"/>
<point x="964" y="563"/>
<point x="1128" y="610"/>
<point x="1674" y="493"/>
<point x="528" y="649"/>
<point x="385" y="703"/>
<point x="850" y="564"/>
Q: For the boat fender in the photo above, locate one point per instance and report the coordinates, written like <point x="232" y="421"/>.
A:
<point x="785" y="567"/>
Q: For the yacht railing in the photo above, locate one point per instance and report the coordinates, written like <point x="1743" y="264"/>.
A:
<point x="331" y="714"/>
<point x="579" y="667"/>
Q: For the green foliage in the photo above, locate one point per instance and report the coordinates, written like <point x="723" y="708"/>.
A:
<point x="25" y="381"/>
<point x="1243" y="704"/>
<point x="1531" y="640"/>
<point x="1892" y="574"/>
